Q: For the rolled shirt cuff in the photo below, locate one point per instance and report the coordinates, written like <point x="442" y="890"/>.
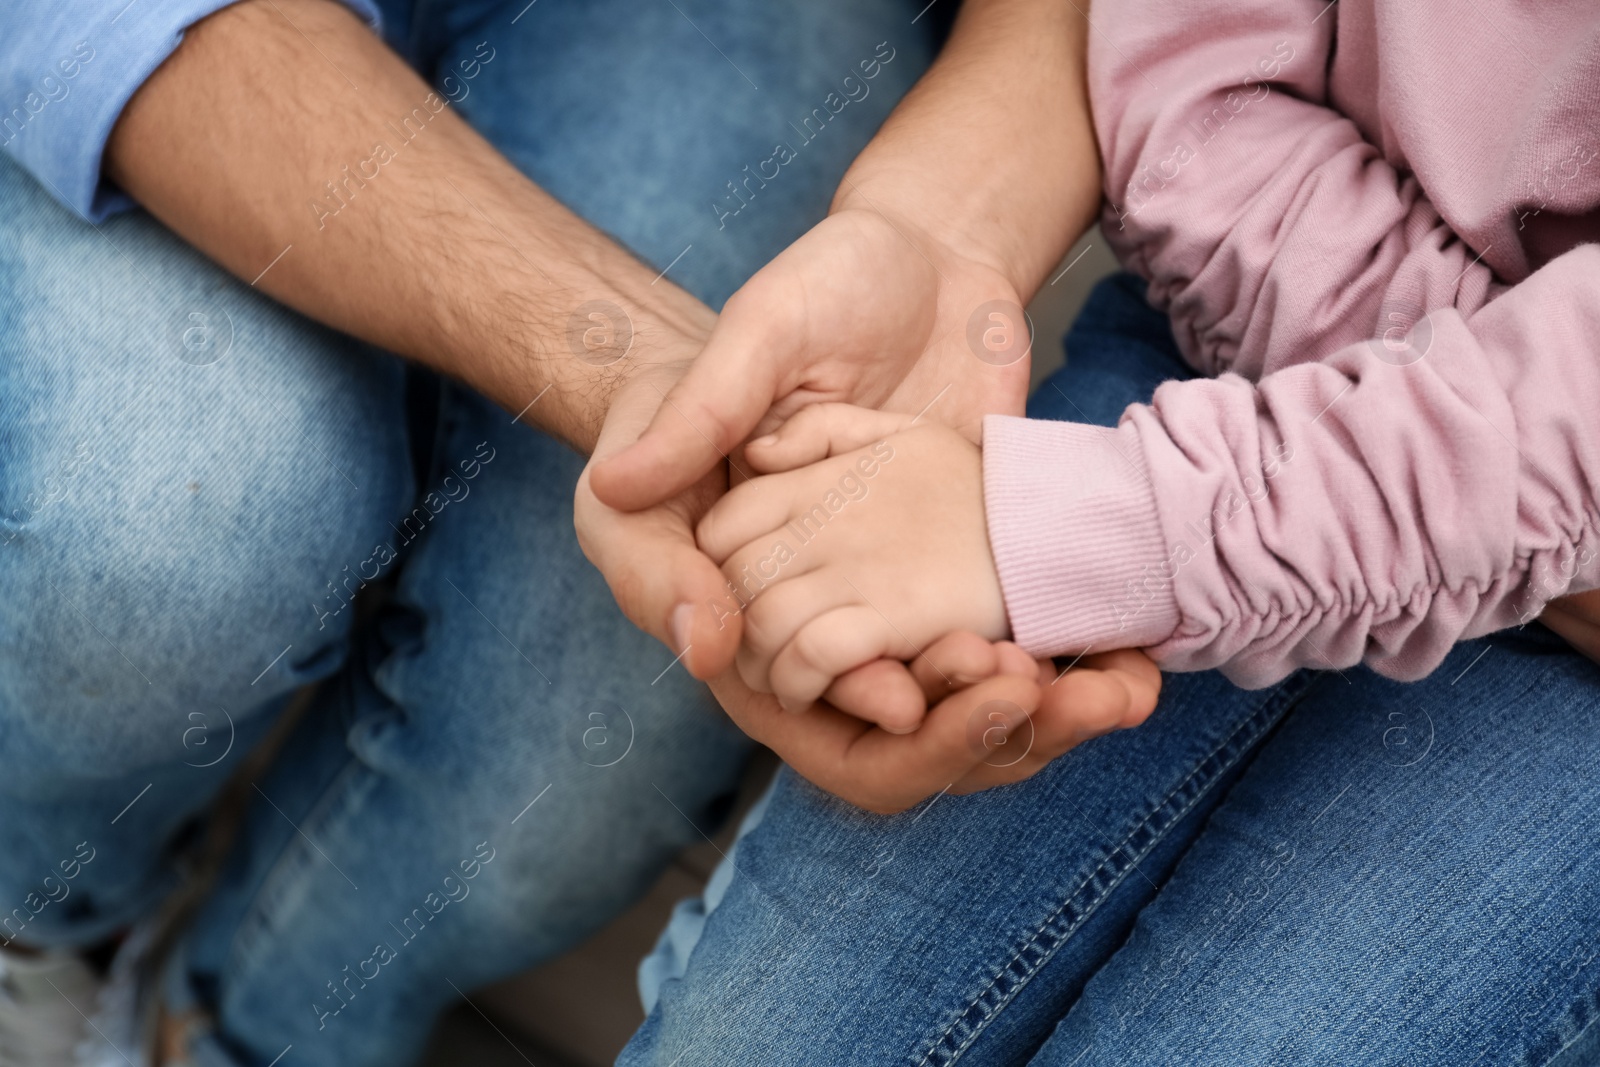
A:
<point x="83" y="62"/>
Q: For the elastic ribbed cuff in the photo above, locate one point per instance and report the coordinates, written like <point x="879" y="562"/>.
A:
<point x="1076" y="536"/>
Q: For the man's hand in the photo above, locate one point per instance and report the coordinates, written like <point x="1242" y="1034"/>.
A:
<point x="864" y="309"/>
<point x="976" y="185"/>
<point x="660" y="579"/>
<point x="999" y="730"/>
<point x="908" y="296"/>
<point x="1576" y="618"/>
<point x="998" y="717"/>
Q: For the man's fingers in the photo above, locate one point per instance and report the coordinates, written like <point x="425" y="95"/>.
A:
<point x="819" y="431"/>
<point x="1135" y="672"/>
<point x="1112" y="691"/>
<point x="700" y="421"/>
<point x="680" y="597"/>
<point x="663" y="583"/>
<point x="881" y="692"/>
<point x="955" y="660"/>
<point x="867" y="766"/>
<point x="1083" y="705"/>
<point x="959" y="734"/>
<point x="1576" y="619"/>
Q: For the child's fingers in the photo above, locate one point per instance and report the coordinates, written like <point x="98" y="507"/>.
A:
<point x="826" y="647"/>
<point x="1015" y="661"/>
<point x="881" y="692"/>
<point x="819" y="431"/>
<point x="773" y="618"/>
<point x="776" y="614"/>
<point x="768" y="562"/>
<point x="747" y="512"/>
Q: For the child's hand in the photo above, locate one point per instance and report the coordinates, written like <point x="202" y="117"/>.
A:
<point x="874" y="550"/>
<point x="895" y="697"/>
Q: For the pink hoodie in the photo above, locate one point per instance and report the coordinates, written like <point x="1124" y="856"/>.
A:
<point x="1367" y="219"/>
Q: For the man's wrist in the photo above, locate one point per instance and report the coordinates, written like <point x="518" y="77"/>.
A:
<point x="993" y="151"/>
<point x="553" y="351"/>
<point x="544" y="314"/>
<point x="930" y="222"/>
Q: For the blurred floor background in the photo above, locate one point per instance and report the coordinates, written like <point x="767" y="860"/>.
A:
<point x="579" y="1010"/>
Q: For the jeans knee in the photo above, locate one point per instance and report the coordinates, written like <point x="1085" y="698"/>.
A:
<point x="170" y="517"/>
<point x="738" y="177"/>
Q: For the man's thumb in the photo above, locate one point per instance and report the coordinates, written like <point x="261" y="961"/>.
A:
<point x="701" y="419"/>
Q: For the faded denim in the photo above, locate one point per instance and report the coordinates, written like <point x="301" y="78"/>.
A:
<point x="192" y="479"/>
<point x="1340" y="869"/>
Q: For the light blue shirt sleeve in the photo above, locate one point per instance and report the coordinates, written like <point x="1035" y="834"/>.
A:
<point x="69" y="67"/>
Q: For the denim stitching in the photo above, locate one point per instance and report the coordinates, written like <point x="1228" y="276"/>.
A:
<point x="297" y="857"/>
<point x="1581" y="1012"/>
<point x="1036" y="951"/>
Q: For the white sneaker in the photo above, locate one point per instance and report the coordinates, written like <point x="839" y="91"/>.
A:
<point x="112" y="1032"/>
<point x="127" y="1027"/>
<point x="44" y="1004"/>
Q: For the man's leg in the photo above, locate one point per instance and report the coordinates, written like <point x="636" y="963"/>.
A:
<point x="510" y="764"/>
<point x="510" y="711"/>
<point x="184" y="466"/>
<point x="706" y="135"/>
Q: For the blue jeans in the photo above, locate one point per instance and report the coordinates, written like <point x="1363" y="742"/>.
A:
<point x="1337" y="870"/>
<point x="193" y="480"/>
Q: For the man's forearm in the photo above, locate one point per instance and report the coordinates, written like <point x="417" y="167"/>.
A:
<point x="290" y="145"/>
<point x="994" y="150"/>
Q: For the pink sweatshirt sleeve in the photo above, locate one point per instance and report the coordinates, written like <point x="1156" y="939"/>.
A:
<point x="1269" y="228"/>
<point x="1334" y="500"/>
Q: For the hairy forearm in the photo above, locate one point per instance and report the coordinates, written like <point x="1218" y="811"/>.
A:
<point x="285" y="141"/>
<point x="993" y="152"/>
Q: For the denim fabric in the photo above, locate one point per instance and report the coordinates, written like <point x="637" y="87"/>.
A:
<point x="193" y="480"/>
<point x="1337" y="870"/>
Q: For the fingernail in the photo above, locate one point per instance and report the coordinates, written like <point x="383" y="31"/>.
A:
<point x="899" y="730"/>
<point x="682" y="626"/>
<point x="765" y="439"/>
<point x="793" y="705"/>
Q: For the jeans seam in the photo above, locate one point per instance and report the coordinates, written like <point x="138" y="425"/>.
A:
<point x="295" y="858"/>
<point x="1030" y="957"/>
<point x="1582" y="1001"/>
